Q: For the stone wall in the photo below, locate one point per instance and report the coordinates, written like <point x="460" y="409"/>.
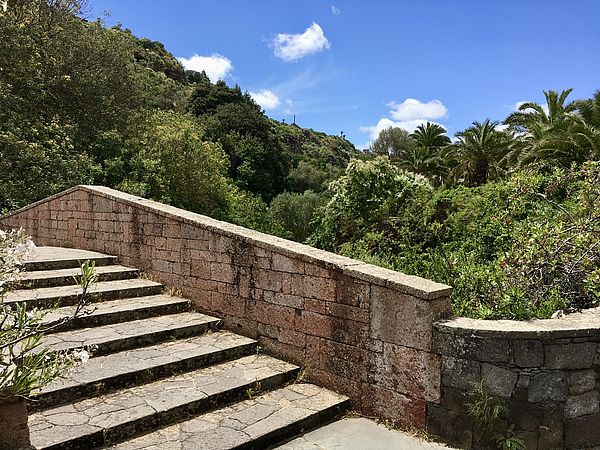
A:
<point x="359" y="329"/>
<point x="547" y="369"/>
<point x="14" y="431"/>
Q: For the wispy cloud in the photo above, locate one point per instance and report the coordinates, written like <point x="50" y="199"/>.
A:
<point x="407" y="115"/>
<point x="266" y="98"/>
<point x="216" y="66"/>
<point x="335" y="11"/>
<point x="292" y="47"/>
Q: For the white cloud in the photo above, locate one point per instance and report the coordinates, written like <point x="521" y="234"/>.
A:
<point x="385" y="123"/>
<point x="335" y="11"/>
<point x="411" y="109"/>
<point x="216" y="66"/>
<point x="407" y="115"/>
<point x="501" y="127"/>
<point x="292" y="47"/>
<point x="529" y="110"/>
<point x="266" y="98"/>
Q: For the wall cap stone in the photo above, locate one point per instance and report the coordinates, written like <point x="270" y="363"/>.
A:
<point x="583" y="324"/>
<point x="412" y="285"/>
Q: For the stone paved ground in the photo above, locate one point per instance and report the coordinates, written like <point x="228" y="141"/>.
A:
<point x="242" y="423"/>
<point x="358" y="434"/>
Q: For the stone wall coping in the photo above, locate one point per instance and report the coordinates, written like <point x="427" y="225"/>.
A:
<point x="581" y="324"/>
<point x="408" y="284"/>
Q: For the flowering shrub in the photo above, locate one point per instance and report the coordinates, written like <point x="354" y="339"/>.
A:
<point x="24" y="366"/>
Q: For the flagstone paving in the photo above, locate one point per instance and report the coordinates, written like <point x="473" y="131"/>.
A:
<point x="160" y="375"/>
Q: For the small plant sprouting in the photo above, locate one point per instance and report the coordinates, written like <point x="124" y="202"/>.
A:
<point x="253" y="391"/>
<point x="490" y="416"/>
<point x="302" y="375"/>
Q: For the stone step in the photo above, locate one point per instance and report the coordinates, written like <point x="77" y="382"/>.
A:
<point x="255" y="423"/>
<point x="66" y="277"/>
<point x="127" y="368"/>
<point x="69" y="295"/>
<point x="53" y="258"/>
<point x="115" y="417"/>
<point x="114" y="311"/>
<point x="136" y="333"/>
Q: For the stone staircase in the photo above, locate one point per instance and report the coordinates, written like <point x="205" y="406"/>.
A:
<point x="161" y="375"/>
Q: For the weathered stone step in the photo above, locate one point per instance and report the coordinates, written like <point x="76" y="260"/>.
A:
<point x="255" y="423"/>
<point x="125" y="413"/>
<point x="65" y="277"/>
<point x="133" y="334"/>
<point x="52" y="258"/>
<point x="69" y="295"/>
<point x="118" y="370"/>
<point x="114" y="311"/>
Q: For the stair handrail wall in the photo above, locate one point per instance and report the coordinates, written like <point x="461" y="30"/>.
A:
<point x="356" y="328"/>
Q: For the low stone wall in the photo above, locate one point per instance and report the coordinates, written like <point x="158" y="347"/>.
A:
<point x="549" y="370"/>
<point x="359" y="329"/>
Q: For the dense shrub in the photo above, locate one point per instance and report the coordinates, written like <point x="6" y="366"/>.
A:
<point x="292" y="214"/>
<point x="521" y="248"/>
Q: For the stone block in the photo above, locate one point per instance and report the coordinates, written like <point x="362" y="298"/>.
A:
<point x="582" y="432"/>
<point x="582" y="404"/>
<point x="528" y="353"/>
<point x="484" y="349"/>
<point x="452" y="427"/>
<point x="387" y="404"/>
<point x="570" y="356"/>
<point x="523" y="414"/>
<point x="582" y="381"/>
<point x="286" y="264"/>
<point x="549" y="386"/>
<point x="460" y="373"/>
<point x="550" y="433"/>
<point x="352" y="292"/>
<point x="14" y="431"/>
<point x="402" y="319"/>
<point x="498" y="381"/>
<point x="412" y="372"/>
<point x="454" y="399"/>
<point x="313" y="287"/>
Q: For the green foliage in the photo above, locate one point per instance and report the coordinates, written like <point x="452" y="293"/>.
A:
<point x="291" y="214"/>
<point x="517" y="249"/>
<point x="170" y="160"/>
<point x="489" y="414"/>
<point x="393" y="142"/>
<point x="368" y="192"/>
<point x="24" y="367"/>
<point x="258" y="162"/>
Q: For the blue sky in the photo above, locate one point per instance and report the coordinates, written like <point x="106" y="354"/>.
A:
<point x="358" y="66"/>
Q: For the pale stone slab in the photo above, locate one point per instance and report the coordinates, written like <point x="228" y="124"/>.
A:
<point x="246" y="423"/>
<point x="106" y="335"/>
<point x="121" y="411"/>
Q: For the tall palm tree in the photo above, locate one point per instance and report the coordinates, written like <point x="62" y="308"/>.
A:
<point x="558" y="134"/>
<point x="479" y="153"/>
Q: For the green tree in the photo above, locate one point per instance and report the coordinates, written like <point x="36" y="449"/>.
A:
<point x="479" y="153"/>
<point x="171" y="160"/>
<point x="393" y="142"/>
<point x="430" y="136"/>
<point x="554" y="134"/>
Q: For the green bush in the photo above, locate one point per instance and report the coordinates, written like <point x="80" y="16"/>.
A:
<point x="292" y="214"/>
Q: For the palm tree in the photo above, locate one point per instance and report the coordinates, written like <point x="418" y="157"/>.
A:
<point x="479" y="152"/>
<point x="557" y="134"/>
<point x="427" y="162"/>
<point x="430" y="136"/>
